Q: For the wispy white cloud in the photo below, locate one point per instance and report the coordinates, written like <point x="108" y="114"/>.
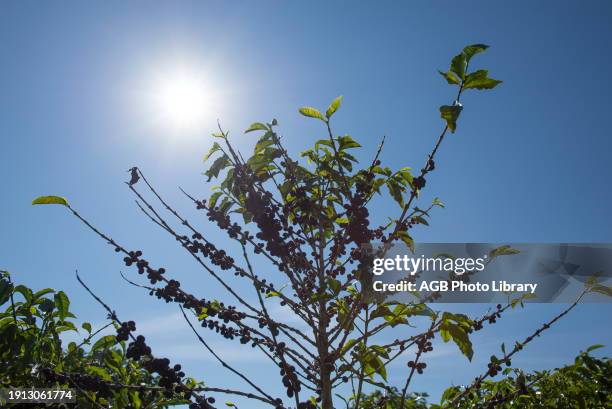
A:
<point x="230" y="351"/>
<point x="165" y="324"/>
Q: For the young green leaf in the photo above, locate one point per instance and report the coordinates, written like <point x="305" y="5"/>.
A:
<point x="214" y="148"/>
<point x="593" y="348"/>
<point x="395" y="190"/>
<point x="459" y="336"/>
<point x="219" y="164"/>
<point x="450" y="113"/>
<point x="450" y="77"/>
<point x="212" y="200"/>
<point x="504" y="250"/>
<point x="62" y="303"/>
<point x="346" y="142"/>
<point x="407" y="239"/>
<point x="480" y="80"/>
<point x="256" y="126"/>
<point x="86" y="326"/>
<point x="333" y="107"/>
<point x="312" y="113"/>
<point x="459" y="65"/>
<point x="105" y="342"/>
<point x="472" y="50"/>
<point x="50" y="200"/>
<point x="602" y="289"/>
<point x="6" y="289"/>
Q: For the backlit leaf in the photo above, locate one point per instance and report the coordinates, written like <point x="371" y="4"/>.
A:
<point x="459" y="65"/>
<point x="50" y="200"/>
<point x="450" y="77"/>
<point x="62" y="303"/>
<point x="450" y="113"/>
<point x="472" y="50"/>
<point x="333" y="107"/>
<point x="312" y="113"/>
<point x="480" y="80"/>
<point x="256" y="126"/>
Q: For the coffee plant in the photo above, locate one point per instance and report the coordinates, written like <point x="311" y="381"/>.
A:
<point x="584" y="384"/>
<point x="308" y="220"/>
<point x="100" y="367"/>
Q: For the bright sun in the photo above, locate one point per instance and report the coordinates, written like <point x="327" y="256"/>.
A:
<point x="182" y="100"/>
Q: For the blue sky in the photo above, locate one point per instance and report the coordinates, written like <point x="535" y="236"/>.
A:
<point x="530" y="161"/>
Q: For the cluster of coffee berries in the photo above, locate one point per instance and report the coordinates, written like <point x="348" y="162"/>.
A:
<point x="419" y="366"/>
<point x="138" y="348"/>
<point x="290" y="379"/>
<point x="358" y="227"/>
<point x="418" y="182"/>
<point x="217" y="257"/>
<point x="228" y="332"/>
<point x="431" y="165"/>
<point x="269" y="226"/>
<point x="135" y="257"/>
<point x="424" y="345"/>
<point x="82" y="381"/>
<point x="477" y="325"/>
<point x="169" y="377"/>
<point x="123" y="332"/>
<point x="494" y="367"/>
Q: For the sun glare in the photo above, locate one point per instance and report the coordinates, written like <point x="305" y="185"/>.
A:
<point x="182" y="100"/>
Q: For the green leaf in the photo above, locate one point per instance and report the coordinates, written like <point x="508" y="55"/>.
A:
<point x="593" y="348"/>
<point x="380" y="311"/>
<point x="312" y="113"/>
<point x="348" y="345"/>
<point x="342" y="220"/>
<point x="46" y="305"/>
<point x="380" y="368"/>
<point x="407" y="239"/>
<point x="450" y="77"/>
<point x="346" y="142"/>
<point x="450" y="113"/>
<point x="214" y="148"/>
<point x="212" y="200"/>
<point x="50" y="200"/>
<point x="230" y="404"/>
<point x="100" y="372"/>
<point x="86" y="326"/>
<point x="398" y="315"/>
<point x="503" y="251"/>
<point x="459" y="65"/>
<point x="437" y="202"/>
<point x="459" y="337"/>
<point x="420" y="220"/>
<point x="256" y="126"/>
<point x="135" y="398"/>
<point x="66" y="326"/>
<point x="602" y="289"/>
<point x="335" y="285"/>
<point x="396" y="191"/>
<point x="105" y="342"/>
<point x="220" y="163"/>
<point x="62" y="303"/>
<point x="25" y="291"/>
<point x="480" y="80"/>
<point x="226" y="205"/>
<point x="6" y="289"/>
<point x="39" y="294"/>
<point x="472" y="50"/>
<point x="333" y="107"/>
